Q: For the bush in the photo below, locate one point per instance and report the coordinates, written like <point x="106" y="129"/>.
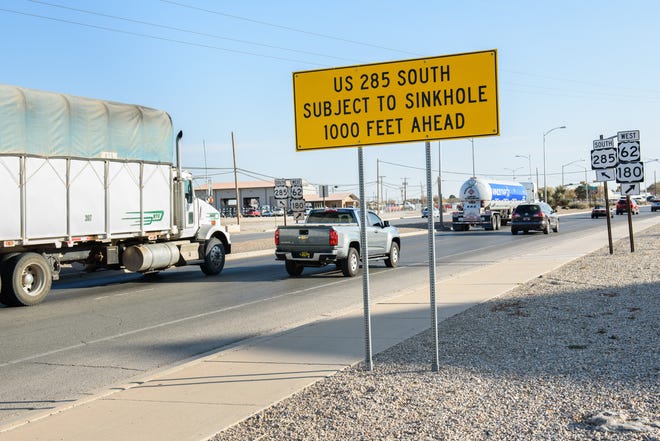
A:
<point x="578" y="205"/>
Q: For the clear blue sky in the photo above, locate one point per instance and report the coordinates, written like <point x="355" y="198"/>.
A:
<point x="221" y="67"/>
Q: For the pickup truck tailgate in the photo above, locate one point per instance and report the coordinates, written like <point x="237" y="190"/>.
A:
<point x="303" y="238"/>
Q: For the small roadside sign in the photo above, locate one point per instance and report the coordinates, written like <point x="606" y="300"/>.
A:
<point x="629" y="151"/>
<point x="608" y="174"/>
<point x="630" y="189"/>
<point x="604" y="143"/>
<point x="281" y="203"/>
<point x="281" y="192"/>
<point x="299" y="215"/>
<point x="628" y="135"/>
<point x="604" y="158"/>
<point x="298" y="205"/>
<point x="296" y="189"/>
<point x="630" y="172"/>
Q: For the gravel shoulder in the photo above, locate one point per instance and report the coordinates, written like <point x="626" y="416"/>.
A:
<point x="572" y="355"/>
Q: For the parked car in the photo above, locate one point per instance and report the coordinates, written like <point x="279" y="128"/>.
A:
<point x="252" y="212"/>
<point x="622" y="206"/>
<point x="266" y="213"/>
<point x="278" y="211"/>
<point x="601" y="211"/>
<point x="425" y="212"/>
<point x="655" y="204"/>
<point x="537" y="216"/>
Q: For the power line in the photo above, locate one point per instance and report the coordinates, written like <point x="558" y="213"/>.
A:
<point x="550" y="90"/>
<point x="153" y="37"/>
<point x="188" y="31"/>
<point x="287" y="28"/>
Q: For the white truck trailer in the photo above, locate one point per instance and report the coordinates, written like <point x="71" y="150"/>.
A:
<point x="94" y="182"/>
<point x="490" y="204"/>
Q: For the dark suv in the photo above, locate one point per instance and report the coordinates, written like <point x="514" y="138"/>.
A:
<point x="538" y="216"/>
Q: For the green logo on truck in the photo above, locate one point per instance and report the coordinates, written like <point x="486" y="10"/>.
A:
<point x="149" y="217"/>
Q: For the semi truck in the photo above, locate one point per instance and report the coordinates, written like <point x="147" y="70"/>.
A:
<point x="490" y="204"/>
<point x="94" y="183"/>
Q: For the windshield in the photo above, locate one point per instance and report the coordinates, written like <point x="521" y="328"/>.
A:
<point x="528" y="209"/>
<point x="330" y="217"/>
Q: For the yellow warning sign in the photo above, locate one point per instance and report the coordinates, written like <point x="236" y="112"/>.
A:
<point x="451" y="96"/>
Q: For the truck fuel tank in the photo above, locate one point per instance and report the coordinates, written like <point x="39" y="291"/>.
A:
<point x="148" y="257"/>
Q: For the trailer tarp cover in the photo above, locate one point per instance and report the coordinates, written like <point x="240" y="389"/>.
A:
<point x="49" y="124"/>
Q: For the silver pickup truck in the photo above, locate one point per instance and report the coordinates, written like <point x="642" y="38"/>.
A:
<point x="333" y="236"/>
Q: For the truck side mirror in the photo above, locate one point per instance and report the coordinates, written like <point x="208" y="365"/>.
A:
<point x="386" y="223"/>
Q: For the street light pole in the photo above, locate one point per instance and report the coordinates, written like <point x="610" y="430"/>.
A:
<point x="545" y="184"/>
<point x="563" y="166"/>
<point x="529" y="160"/>
<point x="473" y="172"/>
<point x="513" y="171"/>
<point x="586" y="184"/>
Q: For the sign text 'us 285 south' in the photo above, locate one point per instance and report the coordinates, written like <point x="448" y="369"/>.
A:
<point x="452" y="96"/>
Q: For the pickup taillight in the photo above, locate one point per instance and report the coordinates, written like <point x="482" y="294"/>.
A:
<point x="334" y="237"/>
<point x="277" y="237"/>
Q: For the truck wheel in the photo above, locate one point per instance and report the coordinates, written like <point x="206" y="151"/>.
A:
<point x="393" y="260"/>
<point x="498" y="223"/>
<point x="351" y="265"/>
<point x="514" y="231"/>
<point x="294" y="269"/>
<point x="27" y="280"/>
<point x="214" y="257"/>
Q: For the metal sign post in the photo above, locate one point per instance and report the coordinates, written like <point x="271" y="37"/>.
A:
<point x="431" y="236"/>
<point x="607" y="215"/>
<point x="364" y="254"/>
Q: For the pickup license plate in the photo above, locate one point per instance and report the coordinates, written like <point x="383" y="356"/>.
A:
<point x="303" y="255"/>
<point x="525" y="218"/>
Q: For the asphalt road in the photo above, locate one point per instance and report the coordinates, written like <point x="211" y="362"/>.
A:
<point x="106" y="329"/>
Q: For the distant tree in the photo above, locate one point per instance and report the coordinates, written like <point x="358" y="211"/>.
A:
<point x="580" y="192"/>
<point x="557" y="198"/>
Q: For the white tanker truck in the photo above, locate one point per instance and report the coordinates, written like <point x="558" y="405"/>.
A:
<point x="94" y="182"/>
<point x="489" y="204"/>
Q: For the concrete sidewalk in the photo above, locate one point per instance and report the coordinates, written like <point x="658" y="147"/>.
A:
<point x="196" y="400"/>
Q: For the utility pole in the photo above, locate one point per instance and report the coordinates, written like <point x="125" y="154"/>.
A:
<point x="405" y="195"/>
<point x="238" y="195"/>
<point x="421" y="193"/>
<point x="474" y="174"/>
<point x="378" y="186"/>
<point x="440" y="204"/>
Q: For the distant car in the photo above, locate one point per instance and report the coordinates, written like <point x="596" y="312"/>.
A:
<point x="622" y="206"/>
<point x="266" y="213"/>
<point x="425" y="212"/>
<point x="538" y="217"/>
<point x="278" y="211"/>
<point x="601" y="211"/>
<point x="252" y="212"/>
<point x="655" y="204"/>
